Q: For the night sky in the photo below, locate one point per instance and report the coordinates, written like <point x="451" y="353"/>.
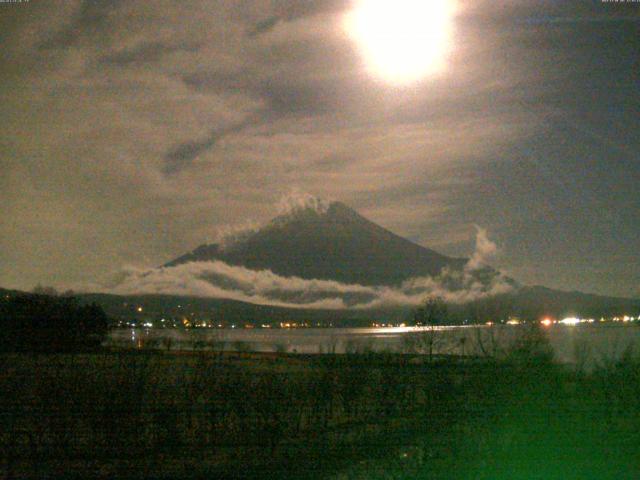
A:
<point x="133" y="131"/>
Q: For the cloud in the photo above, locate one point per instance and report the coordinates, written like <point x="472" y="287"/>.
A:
<point x="296" y="200"/>
<point x="220" y="280"/>
<point x="264" y="26"/>
<point x="485" y="250"/>
<point x="289" y="204"/>
<point x="229" y="235"/>
<point x="142" y="53"/>
<point x="183" y="155"/>
<point x="133" y="130"/>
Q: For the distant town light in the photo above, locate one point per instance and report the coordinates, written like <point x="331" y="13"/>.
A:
<point x="546" y="322"/>
<point x="570" y="321"/>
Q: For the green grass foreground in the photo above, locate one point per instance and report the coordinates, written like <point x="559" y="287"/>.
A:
<point x="146" y="414"/>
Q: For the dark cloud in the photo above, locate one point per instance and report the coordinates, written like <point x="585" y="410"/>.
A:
<point x="142" y="53"/>
<point x="264" y="26"/>
<point x="91" y="19"/>
<point x="183" y="155"/>
<point x="216" y="81"/>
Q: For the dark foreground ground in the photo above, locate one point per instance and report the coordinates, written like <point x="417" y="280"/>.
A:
<point x="206" y="415"/>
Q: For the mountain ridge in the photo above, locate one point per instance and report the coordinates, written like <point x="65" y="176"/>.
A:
<point x="316" y="240"/>
<point x="331" y="242"/>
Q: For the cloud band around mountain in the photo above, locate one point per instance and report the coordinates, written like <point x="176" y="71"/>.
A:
<point x="220" y="280"/>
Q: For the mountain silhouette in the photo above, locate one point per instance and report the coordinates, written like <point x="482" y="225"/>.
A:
<point x="329" y="242"/>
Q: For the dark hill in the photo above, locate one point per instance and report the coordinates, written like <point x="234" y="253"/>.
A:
<point x="334" y="243"/>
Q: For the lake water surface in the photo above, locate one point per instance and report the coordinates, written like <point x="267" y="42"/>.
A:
<point x="585" y="343"/>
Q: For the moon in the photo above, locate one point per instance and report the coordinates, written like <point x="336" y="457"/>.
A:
<point x="402" y="41"/>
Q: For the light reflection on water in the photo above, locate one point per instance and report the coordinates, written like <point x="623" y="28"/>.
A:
<point x="597" y="342"/>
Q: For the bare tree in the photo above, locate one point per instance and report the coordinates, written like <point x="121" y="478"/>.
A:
<point x="433" y="311"/>
<point x="431" y="314"/>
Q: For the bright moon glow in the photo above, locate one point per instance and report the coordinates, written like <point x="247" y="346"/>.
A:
<point x="402" y="40"/>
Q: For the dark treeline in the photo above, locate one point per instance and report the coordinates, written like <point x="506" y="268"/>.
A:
<point x="527" y="303"/>
<point x="533" y="303"/>
<point x="37" y="322"/>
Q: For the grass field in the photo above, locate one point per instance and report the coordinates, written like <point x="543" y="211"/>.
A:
<point x="149" y="414"/>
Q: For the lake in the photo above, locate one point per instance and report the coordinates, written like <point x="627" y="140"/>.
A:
<point x="585" y="343"/>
